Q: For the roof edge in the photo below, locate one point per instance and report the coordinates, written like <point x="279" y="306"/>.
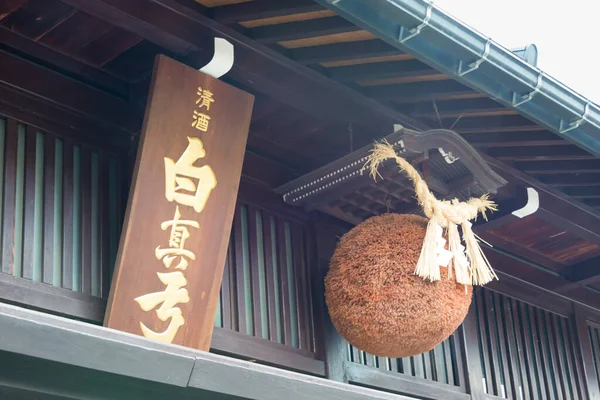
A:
<point x="448" y="45"/>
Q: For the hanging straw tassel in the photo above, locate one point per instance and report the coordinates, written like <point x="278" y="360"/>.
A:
<point x="481" y="270"/>
<point x="428" y="267"/>
<point x="459" y="260"/>
<point x="446" y="214"/>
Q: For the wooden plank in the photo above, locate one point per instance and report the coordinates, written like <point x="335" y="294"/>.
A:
<point x="398" y="383"/>
<point x="514" y="139"/>
<point x="53" y="300"/>
<point x="270" y="242"/>
<point x="86" y="221"/>
<point x="228" y="306"/>
<point x="542" y="153"/>
<point x="255" y="265"/>
<point x="213" y="126"/>
<point x="324" y="232"/>
<point x="448" y="364"/>
<point x="522" y="326"/>
<point x="244" y="319"/>
<point x="567" y="180"/>
<point x="68" y="216"/>
<point x="84" y="72"/>
<point x="61" y="36"/>
<point x="515" y="349"/>
<point x="439" y="372"/>
<point x="10" y="171"/>
<point x="545" y="357"/>
<point x="300" y="270"/>
<point x="493" y="348"/>
<point x="260" y="9"/>
<point x="49" y="213"/>
<point x="235" y="344"/>
<point x="9" y="6"/>
<point x="105" y="256"/>
<point x="29" y="203"/>
<point x="51" y="118"/>
<point x="301" y="29"/>
<point x="531" y="333"/>
<point x="508" y="368"/>
<point x="284" y="287"/>
<point x="93" y="103"/>
<point x="524" y="365"/>
<point x="380" y="70"/>
<point x="558" y="167"/>
<point x="421" y="92"/>
<point x="37" y="17"/>
<point x="108" y="46"/>
<point x="343" y="51"/>
<point x="583" y="353"/>
<point x="558" y="376"/>
<point x="564" y="367"/>
<point x="483" y="339"/>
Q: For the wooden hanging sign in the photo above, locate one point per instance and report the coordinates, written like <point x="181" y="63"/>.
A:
<point x="176" y="231"/>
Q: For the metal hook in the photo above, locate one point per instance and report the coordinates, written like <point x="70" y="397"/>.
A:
<point x="449" y="157"/>
<point x="415" y="31"/>
<point x="565" y="127"/>
<point x="474" y="65"/>
<point x="525" y="98"/>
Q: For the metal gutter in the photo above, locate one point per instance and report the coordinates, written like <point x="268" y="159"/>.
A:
<point x="446" y="44"/>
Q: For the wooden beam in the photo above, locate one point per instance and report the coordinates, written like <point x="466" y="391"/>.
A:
<point x="568" y="180"/>
<point x="400" y="383"/>
<point x="301" y="29"/>
<point x="555" y="206"/>
<point x="583" y="192"/>
<point x="421" y="92"/>
<point x="44" y="55"/>
<point x="580" y="275"/>
<point x="511" y="123"/>
<point x="514" y="139"/>
<point x="585" y="354"/>
<point x="345" y="51"/>
<point x="135" y="359"/>
<point x="160" y="21"/>
<point x="558" y="167"/>
<point x="529" y="282"/>
<point x="557" y="153"/>
<point x="380" y="70"/>
<point x="260" y="9"/>
<point x="52" y="118"/>
<point x="66" y="92"/>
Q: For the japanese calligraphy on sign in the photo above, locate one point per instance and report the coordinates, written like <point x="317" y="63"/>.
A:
<point x="176" y="231"/>
<point x="188" y="186"/>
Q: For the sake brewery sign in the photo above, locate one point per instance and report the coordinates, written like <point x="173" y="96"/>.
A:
<point x="174" y="243"/>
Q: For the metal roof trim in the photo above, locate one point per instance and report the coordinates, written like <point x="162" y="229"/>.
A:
<point x="448" y="45"/>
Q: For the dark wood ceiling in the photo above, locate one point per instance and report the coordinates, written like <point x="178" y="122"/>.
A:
<point x="323" y="88"/>
<point x="308" y="34"/>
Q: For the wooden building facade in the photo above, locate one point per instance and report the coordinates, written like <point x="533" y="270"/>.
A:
<point x="74" y="77"/>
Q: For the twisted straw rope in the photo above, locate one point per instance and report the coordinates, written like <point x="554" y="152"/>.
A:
<point x="445" y="211"/>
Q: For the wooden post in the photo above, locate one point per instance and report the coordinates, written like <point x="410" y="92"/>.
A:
<point x="584" y="356"/>
<point x="176" y="232"/>
<point x="325" y="232"/>
<point x="471" y="357"/>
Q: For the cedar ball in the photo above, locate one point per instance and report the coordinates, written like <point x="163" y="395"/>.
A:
<point x="375" y="300"/>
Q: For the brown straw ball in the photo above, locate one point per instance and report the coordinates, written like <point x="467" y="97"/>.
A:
<point x="375" y="300"/>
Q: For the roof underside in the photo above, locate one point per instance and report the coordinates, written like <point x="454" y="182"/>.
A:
<point x="324" y="87"/>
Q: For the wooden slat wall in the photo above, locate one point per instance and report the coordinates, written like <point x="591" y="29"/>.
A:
<point x="594" y="332"/>
<point x="526" y="352"/>
<point x="266" y="284"/>
<point x="53" y="194"/>
<point x="438" y="365"/>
